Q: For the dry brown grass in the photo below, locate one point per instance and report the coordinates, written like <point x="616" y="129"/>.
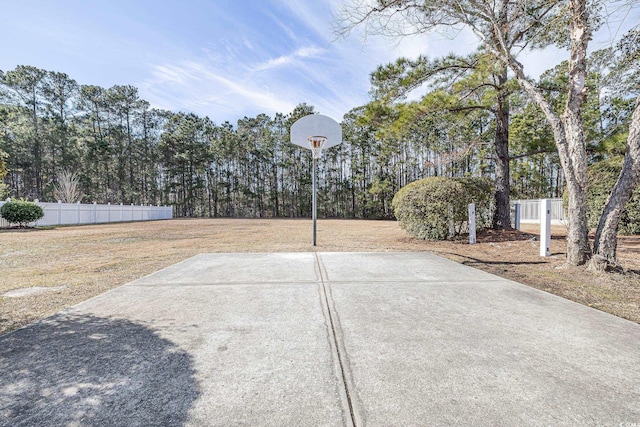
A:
<point x="85" y="261"/>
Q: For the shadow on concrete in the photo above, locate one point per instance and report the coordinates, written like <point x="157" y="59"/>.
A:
<point x="86" y="370"/>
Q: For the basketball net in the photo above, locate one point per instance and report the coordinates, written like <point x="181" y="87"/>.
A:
<point x="316" y="143"/>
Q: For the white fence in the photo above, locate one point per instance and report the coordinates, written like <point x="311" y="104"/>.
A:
<point x="76" y="213"/>
<point x="530" y="211"/>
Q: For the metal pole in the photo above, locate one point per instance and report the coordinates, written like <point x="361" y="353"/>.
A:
<point x="314" y="201"/>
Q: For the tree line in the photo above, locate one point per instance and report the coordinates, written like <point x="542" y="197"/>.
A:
<point x="120" y="150"/>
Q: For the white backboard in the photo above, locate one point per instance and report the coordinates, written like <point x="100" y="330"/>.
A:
<point x="316" y="125"/>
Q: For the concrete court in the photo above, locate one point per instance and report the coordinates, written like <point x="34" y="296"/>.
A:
<point x="322" y="339"/>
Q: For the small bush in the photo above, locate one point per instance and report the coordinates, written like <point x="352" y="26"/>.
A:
<point x="602" y="177"/>
<point x="425" y="208"/>
<point x="21" y="212"/>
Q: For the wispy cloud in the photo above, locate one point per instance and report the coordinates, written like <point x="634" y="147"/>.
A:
<point x="314" y="16"/>
<point x="285" y="60"/>
<point x="201" y="88"/>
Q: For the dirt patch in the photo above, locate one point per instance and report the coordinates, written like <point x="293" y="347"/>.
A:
<point x="84" y="261"/>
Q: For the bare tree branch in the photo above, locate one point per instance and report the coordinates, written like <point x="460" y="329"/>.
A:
<point x="67" y="189"/>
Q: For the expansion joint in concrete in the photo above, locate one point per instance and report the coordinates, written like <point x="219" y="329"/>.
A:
<point x="334" y="325"/>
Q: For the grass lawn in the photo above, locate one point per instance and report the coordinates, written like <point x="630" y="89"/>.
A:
<point x="72" y="264"/>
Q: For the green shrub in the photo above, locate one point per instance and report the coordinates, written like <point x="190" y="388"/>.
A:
<point x="424" y="208"/>
<point x="602" y="176"/>
<point x="21" y="212"/>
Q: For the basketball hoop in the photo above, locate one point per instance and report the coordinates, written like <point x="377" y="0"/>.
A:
<point x="316" y="144"/>
<point x="315" y="132"/>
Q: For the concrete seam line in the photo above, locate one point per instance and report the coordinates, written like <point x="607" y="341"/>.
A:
<point x="220" y="284"/>
<point x="336" y="344"/>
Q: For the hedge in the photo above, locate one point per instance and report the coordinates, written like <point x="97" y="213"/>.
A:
<point x="21" y="212"/>
<point x="425" y="208"/>
<point x="602" y="176"/>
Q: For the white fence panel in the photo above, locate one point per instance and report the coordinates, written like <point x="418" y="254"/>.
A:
<point x="77" y="213"/>
<point x="530" y="211"/>
<point x="103" y="213"/>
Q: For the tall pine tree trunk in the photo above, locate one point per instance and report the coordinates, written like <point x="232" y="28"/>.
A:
<point x="502" y="212"/>
<point x="578" y="249"/>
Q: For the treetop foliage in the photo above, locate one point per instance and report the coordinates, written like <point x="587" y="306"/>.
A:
<point x="468" y="75"/>
<point x="531" y="23"/>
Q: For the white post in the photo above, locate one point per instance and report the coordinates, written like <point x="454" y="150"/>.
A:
<point x="518" y="215"/>
<point x="108" y="211"/>
<point x="452" y="226"/>
<point x="59" y="212"/>
<point x="545" y="227"/>
<point x="78" y="209"/>
<point x="95" y="212"/>
<point x="472" y="224"/>
<point x="121" y="212"/>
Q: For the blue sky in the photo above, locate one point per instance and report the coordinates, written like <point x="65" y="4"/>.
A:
<point x="218" y="58"/>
